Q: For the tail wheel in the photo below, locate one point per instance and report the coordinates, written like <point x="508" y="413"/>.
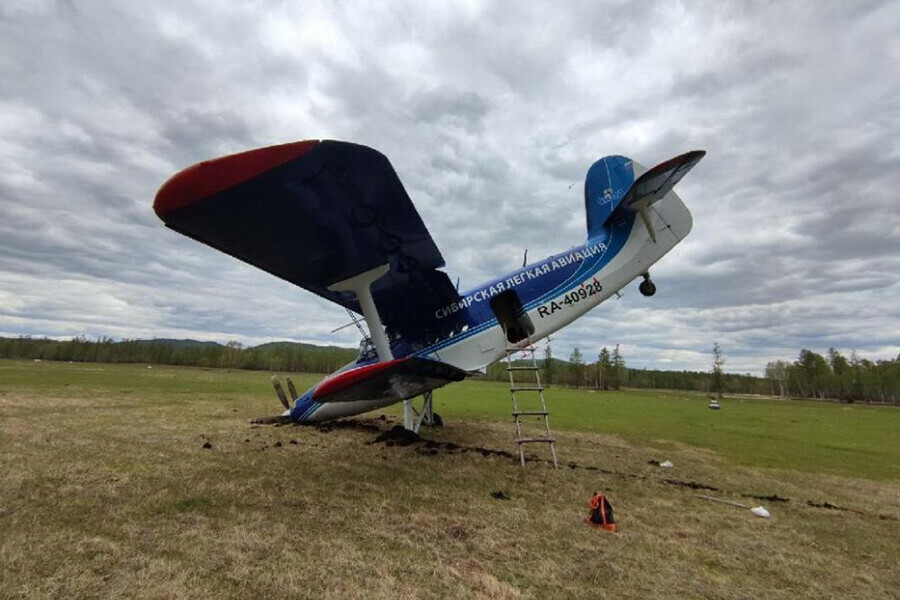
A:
<point x="647" y="287"/>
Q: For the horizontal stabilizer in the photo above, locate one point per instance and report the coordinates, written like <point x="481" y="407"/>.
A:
<point x="653" y="185"/>
<point x="399" y="379"/>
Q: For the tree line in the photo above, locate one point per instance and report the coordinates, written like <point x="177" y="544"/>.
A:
<point x="610" y="372"/>
<point x="836" y="376"/>
<point x="812" y="375"/>
<point x="279" y="356"/>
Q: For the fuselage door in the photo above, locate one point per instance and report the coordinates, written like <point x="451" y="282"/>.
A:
<point x="512" y="316"/>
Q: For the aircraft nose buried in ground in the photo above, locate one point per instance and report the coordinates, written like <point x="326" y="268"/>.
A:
<point x="333" y="218"/>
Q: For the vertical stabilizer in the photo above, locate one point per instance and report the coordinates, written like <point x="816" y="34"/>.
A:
<point x="606" y="183"/>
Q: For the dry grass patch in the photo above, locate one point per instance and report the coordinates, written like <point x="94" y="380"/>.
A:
<point x="104" y="496"/>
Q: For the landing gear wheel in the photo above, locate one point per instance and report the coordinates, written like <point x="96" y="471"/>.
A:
<point x="436" y="420"/>
<point x="647" y="287"/>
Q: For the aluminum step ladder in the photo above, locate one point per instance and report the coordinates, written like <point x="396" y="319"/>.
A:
<point x="531" y="388"/>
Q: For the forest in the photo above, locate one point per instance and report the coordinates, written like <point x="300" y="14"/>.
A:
<point x="276" y="356"/>
<point x="832" y="376"/>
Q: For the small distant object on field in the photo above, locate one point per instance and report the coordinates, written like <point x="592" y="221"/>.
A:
<point x="759" y="511"/>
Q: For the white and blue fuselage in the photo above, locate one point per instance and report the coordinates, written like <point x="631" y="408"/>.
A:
<point x="549" y="294"/>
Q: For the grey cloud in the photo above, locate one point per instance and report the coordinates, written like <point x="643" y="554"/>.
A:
<point x="489" y="113"/>
<point x="467" y="108"/>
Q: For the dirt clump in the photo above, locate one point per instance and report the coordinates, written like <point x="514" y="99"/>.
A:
<point x="397" y="436"/>
<point x="328" y="427"/>
<point x="770" y="498"/>
<point x="691" y="484"/>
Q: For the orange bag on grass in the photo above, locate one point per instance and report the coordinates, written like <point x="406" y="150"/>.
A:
<point x="601" y="513"/>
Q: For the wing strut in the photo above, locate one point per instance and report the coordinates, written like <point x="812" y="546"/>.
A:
<point x="361" y="285"/>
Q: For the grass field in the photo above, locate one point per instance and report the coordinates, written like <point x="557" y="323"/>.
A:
<point x="107" y="491"/>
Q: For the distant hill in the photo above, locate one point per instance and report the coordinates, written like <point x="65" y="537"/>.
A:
<point x="267" y="347"/>
<point x="288" y="345"/>
<point x="173" y="342"/>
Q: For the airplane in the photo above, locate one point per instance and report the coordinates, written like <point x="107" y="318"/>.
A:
<point x="332" y="217"/>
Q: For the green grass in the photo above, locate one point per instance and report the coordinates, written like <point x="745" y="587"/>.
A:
<point x="107" y="491"/>
<point x="821" y="437"/>
<point x="818" y="437"/>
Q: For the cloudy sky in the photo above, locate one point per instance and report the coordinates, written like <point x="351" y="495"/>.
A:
<point x="491" y="114"/>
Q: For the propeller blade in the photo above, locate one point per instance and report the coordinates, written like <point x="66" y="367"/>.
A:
<point x="292" y="389"/>
<point x="276" y="383"/>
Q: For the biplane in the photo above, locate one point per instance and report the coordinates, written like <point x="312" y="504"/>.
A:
<point x="333" y="218"/>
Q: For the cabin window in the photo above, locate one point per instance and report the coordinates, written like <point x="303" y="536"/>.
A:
<point x="512" y="316"/>
<point x="366" y="350"/>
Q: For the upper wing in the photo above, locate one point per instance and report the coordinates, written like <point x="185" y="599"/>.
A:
<point x="315" y="213"/>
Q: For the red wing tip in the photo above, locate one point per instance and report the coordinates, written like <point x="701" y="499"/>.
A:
<point x="212" y="176"/>
<point x="339" y="381"/>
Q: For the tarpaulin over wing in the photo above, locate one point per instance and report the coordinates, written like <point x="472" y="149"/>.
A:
<point x="315" y="213"/>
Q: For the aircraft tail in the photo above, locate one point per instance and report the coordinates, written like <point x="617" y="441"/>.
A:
<point x="606" y="183"/>
<point x="616" y="183"/>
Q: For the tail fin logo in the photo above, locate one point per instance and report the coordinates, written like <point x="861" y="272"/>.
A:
<point x="608" y="196"/>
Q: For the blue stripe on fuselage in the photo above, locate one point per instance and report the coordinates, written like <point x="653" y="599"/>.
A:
<point x="304" y="407"/>
<point x="558" y="274"/>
